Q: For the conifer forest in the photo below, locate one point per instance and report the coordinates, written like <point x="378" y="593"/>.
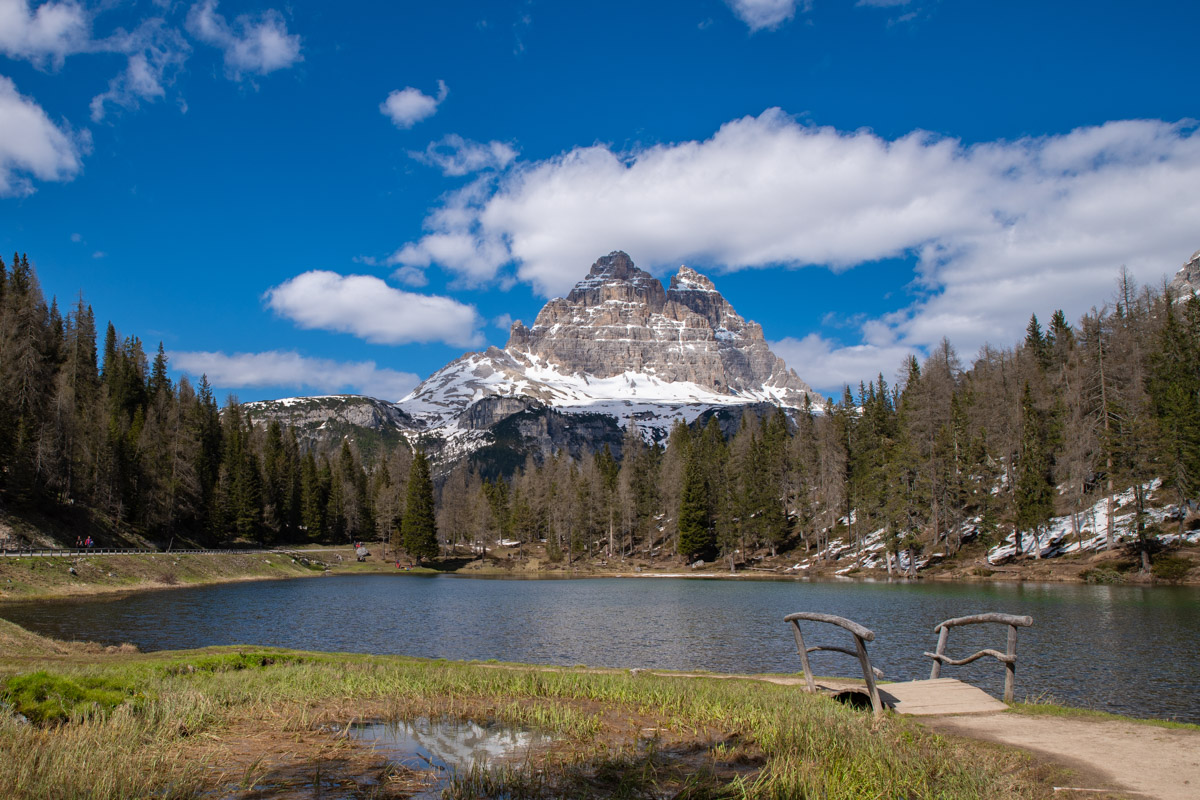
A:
<point x="95" y="433"/>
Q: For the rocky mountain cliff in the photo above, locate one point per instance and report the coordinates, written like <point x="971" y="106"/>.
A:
<point x="619" y="319"/>
<point x="619" y="349"/>
<point x="1187" y="280"/>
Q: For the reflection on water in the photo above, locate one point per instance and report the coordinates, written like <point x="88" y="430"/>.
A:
<point x="447" y="747"/>
<point x="1131" y="650"/>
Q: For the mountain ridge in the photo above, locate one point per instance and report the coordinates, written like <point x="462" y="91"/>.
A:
<point x="618" y="345"/>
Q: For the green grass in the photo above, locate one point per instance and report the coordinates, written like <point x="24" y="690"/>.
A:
<point x="44" y="698"/>
<point x="167" y="725"/>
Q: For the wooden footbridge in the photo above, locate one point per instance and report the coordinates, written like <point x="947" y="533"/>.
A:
<point x="937" y="695"/>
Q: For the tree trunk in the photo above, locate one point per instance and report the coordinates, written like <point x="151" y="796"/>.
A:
<point x="1108" y="459"/>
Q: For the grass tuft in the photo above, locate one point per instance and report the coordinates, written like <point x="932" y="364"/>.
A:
<point x="45" y="698"/>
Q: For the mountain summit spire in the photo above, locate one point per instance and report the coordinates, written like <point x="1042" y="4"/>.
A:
<point x="619" y="338"/>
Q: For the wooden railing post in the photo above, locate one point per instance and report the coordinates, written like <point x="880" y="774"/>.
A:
<point x="803" y="652"/>
<point x="868" y="676"/>
<point x="1010" y="666"/>
<point x="941" y="651"/>
<point x="861" y="637"/>
<point x="1008" y="658"/>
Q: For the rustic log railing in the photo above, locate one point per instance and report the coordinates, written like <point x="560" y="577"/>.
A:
<point x="1009" y="659"/>
<point x="861" y="637"/>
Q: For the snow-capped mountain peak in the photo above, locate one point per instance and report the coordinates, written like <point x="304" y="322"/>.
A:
<point x="621" y="345"/>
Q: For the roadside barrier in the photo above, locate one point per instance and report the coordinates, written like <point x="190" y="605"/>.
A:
<point x="75" y="552"/>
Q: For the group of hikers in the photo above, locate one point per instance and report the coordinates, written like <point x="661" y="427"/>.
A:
<point x="82" y="543"/>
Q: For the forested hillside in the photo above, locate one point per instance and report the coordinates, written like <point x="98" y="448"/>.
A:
<point x="111" y="446"/>
<point x="1072" y="415"/>
<point x="1069" y="417"/>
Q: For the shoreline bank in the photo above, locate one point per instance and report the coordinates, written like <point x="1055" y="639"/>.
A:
<point x="88" y="574"/>
<point x="219" y="718"/>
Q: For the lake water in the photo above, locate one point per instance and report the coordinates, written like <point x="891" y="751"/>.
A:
<point x="1116" y="648"/>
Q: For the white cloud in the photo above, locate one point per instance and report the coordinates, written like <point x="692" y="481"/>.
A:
<point x="828" y="366"/>
<point x="408" y="106"/>
<point x="31" y="146"/>
<point x="454" y="155"/>
<point x="760" y="14"/>
<point x="411" y="276"/>
<point x="156" y="52"/>
<point x="290" y="369"/>
<point x="368" y="308"/>
<point x="503" y="322"/>
<point x="51" y="33"/>
<point x="997" y="230"/>
<point x="253" y="44"/>
<point x="61" y="28"/>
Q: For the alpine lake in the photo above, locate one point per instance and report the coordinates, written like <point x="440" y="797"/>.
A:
<point x="1123" y="649"/>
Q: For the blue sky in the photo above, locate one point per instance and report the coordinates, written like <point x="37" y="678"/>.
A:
<point x="319" y="198"/>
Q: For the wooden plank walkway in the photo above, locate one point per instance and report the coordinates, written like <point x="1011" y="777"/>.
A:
<point x="938" y="696"/>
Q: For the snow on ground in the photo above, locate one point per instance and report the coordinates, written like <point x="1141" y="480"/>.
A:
<point x="1060" y="538"/>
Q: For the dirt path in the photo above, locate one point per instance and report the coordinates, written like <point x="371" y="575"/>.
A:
<point x="1128" y="759"/>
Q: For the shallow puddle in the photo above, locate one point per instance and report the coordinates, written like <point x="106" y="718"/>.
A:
<point x="447" y="747"/>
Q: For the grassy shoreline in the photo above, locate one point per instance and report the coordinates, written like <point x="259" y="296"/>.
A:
<point x="46" y="578"/>
<point x="248" y="721"/>
<point x="30" y="578"/>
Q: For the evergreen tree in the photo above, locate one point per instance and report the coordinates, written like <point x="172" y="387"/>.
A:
<point x="312" y="499"/>
<point x="159" y="380"/>
<point x="419" y="527"/>
<point x="1036" y="343"/>
<point x="1061" y="338"/>
<point x="1035" y="486"/>
<point x="1173" y="382"/>
<point x="695" y="524"/>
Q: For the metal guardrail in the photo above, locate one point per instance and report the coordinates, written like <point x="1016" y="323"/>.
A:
<point x="75" y="552"/>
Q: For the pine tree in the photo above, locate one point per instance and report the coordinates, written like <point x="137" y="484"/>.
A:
<point x="695" y="525"/>
<point x="1173" y="382"/>
<point x="159" y="380"/>
<point x="419" y="527"/>
<point x="1061" y="337"/>
<point x="312" y="499"/>
<point x="1037" y="343"/>
<point x="1034" y="493"/>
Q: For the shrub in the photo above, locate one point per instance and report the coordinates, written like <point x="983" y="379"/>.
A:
<point x="1170" y="568"/>
<point x="1102" y="575"/>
